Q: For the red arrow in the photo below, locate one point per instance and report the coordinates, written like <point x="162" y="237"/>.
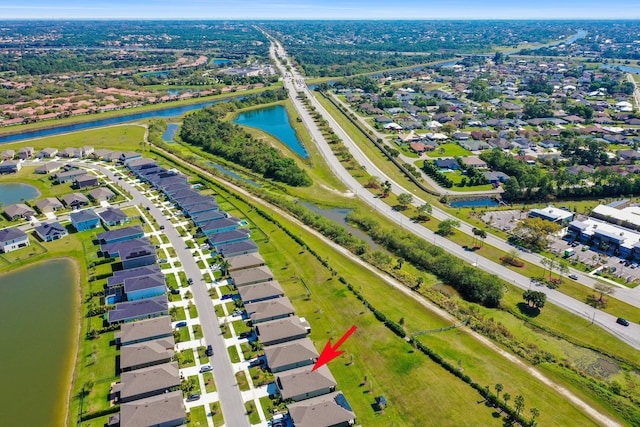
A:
<point x="329" y="353"/>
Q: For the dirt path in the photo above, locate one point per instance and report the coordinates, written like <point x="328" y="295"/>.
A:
<point x="588" y="409"/>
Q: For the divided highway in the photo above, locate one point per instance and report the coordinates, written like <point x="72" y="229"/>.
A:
<point x="294" y="83"/>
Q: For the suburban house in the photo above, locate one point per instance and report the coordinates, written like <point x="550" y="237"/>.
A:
<point x="132" y="253"/>
<point x="7" y="154"/>
<point x="236" y="249"/>
<point x="129" y="156"/>
<point x="48" y="204"/>
<point x="68" y="175"/>
<point x="282" y="330"/>
<point x="144" y="330"/>
<point x="10" y="166"/>
<point x="113" y="216"/>
<point x="84" y="220"/>
<point x="231" y="236"/>
<point x="496" y="177"/>
<point x="251" y="276"/>
<point x="219" y="225"/>
<point x="51" y="231"/>
<point x="141" y="163"/>
<point x="139" y="310"/>
<point x="48" y="168"/>
<point x="330" y="410"/>
<point x="17" y="211"/>
<point x="147" y="382"/>
<point x="202" y="217"/>
<point x="261" y="292"/>
<point x="245" y="261"/>
<point x="264" y="311"/>
<point x="25" y="153"/>
<point x="304" y="383"/>
<point x="145" y="354"/>
<point x="47" y="153"/>
<point x="291" y="355"/>
<point x="75" y="200"/>
<point x="12" y="239"/>
<point x="119" y="276"/>
<point x="474" y="161"/>
<point x="447" y="164"/>
<point x="200" y="207"/>
<point x="101" y="194"/>
<point x="137" y="288"/>
<point x="164" y="410"/>
<point x="84" y="181"/>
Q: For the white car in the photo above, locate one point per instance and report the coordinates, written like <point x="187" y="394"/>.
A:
<point x="573" y="276"/>
<point x="206" y="368"/>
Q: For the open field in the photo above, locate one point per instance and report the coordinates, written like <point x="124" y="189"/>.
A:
<point x="449" y="150"/>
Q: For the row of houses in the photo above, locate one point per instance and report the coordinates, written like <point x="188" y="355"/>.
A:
<point x="288" y="351"/>
<point x="149" y="388"/>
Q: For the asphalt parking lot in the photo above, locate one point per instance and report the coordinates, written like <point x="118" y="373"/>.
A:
<point x="503" y="220"/>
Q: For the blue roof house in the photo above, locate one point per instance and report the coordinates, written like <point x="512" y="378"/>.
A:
<point x="138" y="288"/>
<point x="201" y="207"/>
<point x="202" y="217"/>
<point x="121" y="234"/>
<point x="85" y="220"/>
<point x="49" y="232"/>
<point x="220" y="225"/>
<point x="232" y="236"/>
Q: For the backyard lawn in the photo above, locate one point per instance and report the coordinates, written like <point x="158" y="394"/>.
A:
<point x="449" y="150"/>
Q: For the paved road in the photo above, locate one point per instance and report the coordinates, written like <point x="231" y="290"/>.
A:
<point x="230" y="397"/>
<point x="295" y="83"/>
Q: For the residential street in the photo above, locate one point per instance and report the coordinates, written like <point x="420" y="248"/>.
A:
<point x="295" y="83"/>
<point x="230" y="397"/>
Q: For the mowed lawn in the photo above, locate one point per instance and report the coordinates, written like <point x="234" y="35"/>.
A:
<point x="449" y="150"/>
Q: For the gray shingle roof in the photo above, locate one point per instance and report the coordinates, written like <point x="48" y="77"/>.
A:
<point x="328" y="410"/>
<point x="300" y="381"/>
<point x="148" y="380"/>
<point x="118" y="233"/>
<point x="7" y="234"/>
<point x="261" y="291"/>
<point x="291" y="352"/>
<point x="151" y="411"/>
<point x="144" y="307"/>
<point x="144" y="329"/>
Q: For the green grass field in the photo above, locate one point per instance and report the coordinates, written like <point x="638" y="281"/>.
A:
<point x="449" y="150"/>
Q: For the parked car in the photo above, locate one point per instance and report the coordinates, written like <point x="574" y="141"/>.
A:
<point x="209" y="351"/>
<point x="573" y="276"/>
<point x="181" y="324"/>
<point x="162" y="227"/>
<point x="193" y="397"/>
<point x="190" y="280"/>
<point x="227" y="296"/>
<point x="621" y="321"/>
<point x="206" y="368"/>
<point x="246" y="334"/>
<point x="175" y="291"/>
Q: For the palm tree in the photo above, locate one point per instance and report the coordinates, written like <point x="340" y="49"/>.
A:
<point x="534" y="414"/>
<point x="224" y="266"/>
<point x="506" y="397"/>
<point x="545" y="263"/>
<point x="499" y="388"/>
<point x="519" y="402"/>
<point x="400" y="262"/>
<point x="482" y="234"/>
<point x="563" y="268"/>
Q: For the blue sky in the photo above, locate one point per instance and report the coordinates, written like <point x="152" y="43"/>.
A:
<point x="321" y="9"/>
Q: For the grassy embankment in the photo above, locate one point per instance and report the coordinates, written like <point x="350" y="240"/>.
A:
<point x="402" y="310"/>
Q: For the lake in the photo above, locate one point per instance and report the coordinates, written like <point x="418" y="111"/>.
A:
<point x="13" y="192"/>
<point x="624" y="68"/>
<point x="39" y="329"/>
<point x="233" y="174"/>
<point x="275" y="121"/>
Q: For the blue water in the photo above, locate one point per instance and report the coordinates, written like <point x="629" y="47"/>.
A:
<point x="11" y="193"/>
<point x="625" y="68"/>
<point x="155" y="74"/>
<point x="220" y="61"/>
<point x="170" y="133"/>
<point x="233" y="174"/>
<point x="166" y="112"/>
<point x="275" y="121"/>
<point x="484" y="203"/>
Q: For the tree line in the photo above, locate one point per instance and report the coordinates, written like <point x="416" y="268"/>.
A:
<point x="206" y="129"/>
